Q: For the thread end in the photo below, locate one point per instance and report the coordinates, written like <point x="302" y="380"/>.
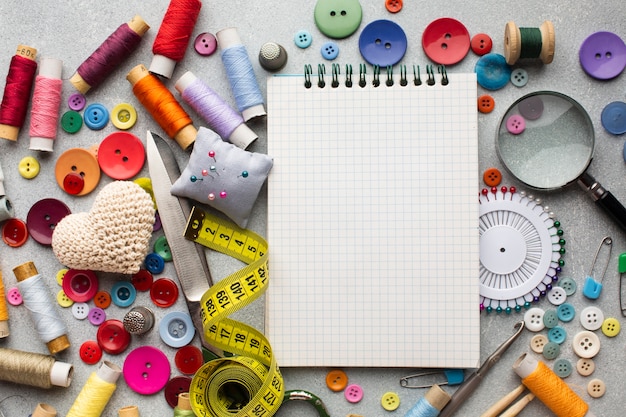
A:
<point x="9" y="132"/>
<point x="129" y="411"/>
<point x="4" y="329"/>
<point x="138" y="25"/>
<point x="163" y="66"/>
<point x="59" y="344"/>
<point x="25" y="271"/>
<point x="44" y="410"/>
<point x="79" y="84"/>
<point x="184" y="403"/>
<point x="186" y="136"/>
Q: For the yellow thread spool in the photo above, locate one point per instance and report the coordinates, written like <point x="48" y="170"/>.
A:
<point x="96" y="392"/>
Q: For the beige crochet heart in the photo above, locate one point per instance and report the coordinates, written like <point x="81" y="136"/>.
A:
<point x="113" y="236"/>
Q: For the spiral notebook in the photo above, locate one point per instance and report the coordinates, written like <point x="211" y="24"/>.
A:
<point x="373" y="218"/>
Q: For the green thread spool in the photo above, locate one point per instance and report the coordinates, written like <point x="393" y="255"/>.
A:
<point x="529" y="43"/>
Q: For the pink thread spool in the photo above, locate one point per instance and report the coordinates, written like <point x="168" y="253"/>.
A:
<point x="117" y="47"/>
<point x="46" y="103"/>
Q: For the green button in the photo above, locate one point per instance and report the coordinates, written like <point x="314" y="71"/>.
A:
<point x="568" y="284"/>
<point x="71" y="121"/>
<point x="338" y="18"/>
<point x="621" y="266"/>
<point x="550" y="319"/>
<point x="551" y="350"/>
<point x="563" y="368"/>
<point x="163" y="249"/>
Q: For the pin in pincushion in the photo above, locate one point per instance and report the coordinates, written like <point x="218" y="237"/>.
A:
<point x="114" y="236"/>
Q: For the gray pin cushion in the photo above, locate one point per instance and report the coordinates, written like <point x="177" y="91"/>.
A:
<point x="223" y="176"/>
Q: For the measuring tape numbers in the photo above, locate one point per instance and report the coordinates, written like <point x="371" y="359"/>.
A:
<point x="249" y="384"/>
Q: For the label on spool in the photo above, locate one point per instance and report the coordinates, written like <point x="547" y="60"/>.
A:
<point x="218" y="387"/>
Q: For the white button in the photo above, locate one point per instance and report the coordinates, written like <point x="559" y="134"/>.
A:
<point x="534" y="319"/>
<point x="557" y="296"/>
<point x="585" y="367"/>
<point x="596" y="388"/>
<point x="591" y="318"/>
<point x="538" y="342"/>
<point x="80" y="310"/>
<point x="586" y="344"/>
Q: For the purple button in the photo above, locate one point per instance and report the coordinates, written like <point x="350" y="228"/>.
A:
<point x="43" y="217"/>
<point x="515" y="124"/>
<point x="157" y="222"/>
<point x="97" y="316"/>
<point x="353" y="393"/>
<point x="14" y="297"/>
<point x="603" y="55"/>
<point x="76" y="101"/>
<point x="531" y="108"/>
<point x="146" y="370"/>
<point x="205" y="44"/>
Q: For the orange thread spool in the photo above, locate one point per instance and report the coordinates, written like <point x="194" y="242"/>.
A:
<point x="549" y="388"/>
<point x="4" y="312"/>
<point x="162" y="105"/>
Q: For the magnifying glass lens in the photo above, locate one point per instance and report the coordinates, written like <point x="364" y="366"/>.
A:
<point x="545" y="140"/>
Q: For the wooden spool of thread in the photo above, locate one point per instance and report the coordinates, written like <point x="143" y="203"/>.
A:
<point x="549" y="388"/>
<point x="174" y="34"/>
<point x="4" y="312"/>
<point x="431" y="404"/>
<point x="97" y="391"/>
<point x="529" y="43"/>
<point x="162" y="105"/>
<point x="128" y="411"/>
<point x="52" y="330"/>
<point x="183" y="407"/>
<point x="44" y="410"/>
<point x="44" y="117"/>
<point x="111" y="53"/>
<point x="34" y="369"/>
<point x="20" y="80"/>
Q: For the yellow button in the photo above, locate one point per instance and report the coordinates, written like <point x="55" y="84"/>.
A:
<point x="610" y="327"/>
<point x="336" y="380"/>
<point x="123" y="116"/>
<point x="63" y="299"/>
<point x="390" y="401"/>
<point x="28" y="167"/>
<point x="60" y="275"/>
<point x="146" y="184"/>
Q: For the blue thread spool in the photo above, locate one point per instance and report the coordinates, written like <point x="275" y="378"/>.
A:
<point x="431" y="404"/>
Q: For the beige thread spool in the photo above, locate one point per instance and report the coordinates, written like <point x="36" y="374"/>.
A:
<point x="44" y="410"/>
<point x="34" y="369"/>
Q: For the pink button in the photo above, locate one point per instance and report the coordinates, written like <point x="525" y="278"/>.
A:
<point x="14" y="297"/>
<point x="205" y="44"/>
<point x="146" y="370"/>
<point x="353" y="393"/>
<point x="515" y="124"/>
<point x="97" y="316"/>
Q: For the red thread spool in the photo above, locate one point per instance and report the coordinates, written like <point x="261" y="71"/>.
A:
<point x="117" y="47"/>
<point x="44" y="116"/>
<point x="20" y="80"/>
<point x="174" y="34"/>
<point x="162" y="105"/>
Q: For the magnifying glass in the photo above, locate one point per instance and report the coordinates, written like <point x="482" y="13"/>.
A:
<point x="546" y="140"/>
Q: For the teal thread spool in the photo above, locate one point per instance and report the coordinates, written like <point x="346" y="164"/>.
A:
<point x="529" y="43"/>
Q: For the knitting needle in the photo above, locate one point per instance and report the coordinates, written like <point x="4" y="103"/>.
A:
<point x="502" y="403"/>
<point x="518" y="406"/>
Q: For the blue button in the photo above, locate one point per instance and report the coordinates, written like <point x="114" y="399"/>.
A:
<point x="550" y="319"/>
<point x="557" y="334"/>
<point x="154" y="263"/>
<point x="563" y="368"/>
<point x="492" y="71"/>
<point x="96" y="116"/>
<point x="382" y="43"/>
<point x="123" y="294"/>
<point x="614" y="117"/>
<point x="330" y="50"/>
<point x="566" y="312"/>
<point x="303" y="39"/>
<point x="176" y="329"/>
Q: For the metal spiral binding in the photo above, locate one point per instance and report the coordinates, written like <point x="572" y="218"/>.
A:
<point x="376" y="78"/>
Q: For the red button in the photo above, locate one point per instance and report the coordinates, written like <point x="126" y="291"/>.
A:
<point x="481" y="44"/>
<point x="175" y="386"/>
<point x="43" y="217"/>
<point x="121" y="155"/>
<point x="113" y="337"/>
<point x="446" y="41"/>
<point x="486" y="103"/>
<point x="14" y="232"/>
<point x="73" y="183"/>
<point x="142" y="280"/>
<point x="102" y="299"/>
<point x="188" y="359"/>
<point x="80" y="285"/>
<point x="90" y="352"/>
<point x="164" y="292"/>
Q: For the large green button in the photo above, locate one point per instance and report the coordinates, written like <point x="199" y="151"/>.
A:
<point x="338" y="18"/>
<point x="163" y="249"/>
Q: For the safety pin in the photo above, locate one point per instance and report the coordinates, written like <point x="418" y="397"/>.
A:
<point x="621" y="268"/>
<point x="453" y="377"/>
<point x="302" y="395"/>
<point x="593" y="287"/>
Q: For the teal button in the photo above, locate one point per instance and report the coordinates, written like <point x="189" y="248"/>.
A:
<point x="568" y="284"/>
<point x="563" y="367"/>
<point x="557" y="335"/>
<point x="303" y="39"/>
<point x="550" y="319"/>
<point x="551" y="350"/>
<point x="566" y="312"/>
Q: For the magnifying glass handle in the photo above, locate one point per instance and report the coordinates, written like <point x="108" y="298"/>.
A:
<point x="604" y="199"/>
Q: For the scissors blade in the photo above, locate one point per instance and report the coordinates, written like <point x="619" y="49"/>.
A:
<point x="188" y="257"/>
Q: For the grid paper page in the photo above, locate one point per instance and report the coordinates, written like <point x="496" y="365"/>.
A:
<point x="373" y="224"/>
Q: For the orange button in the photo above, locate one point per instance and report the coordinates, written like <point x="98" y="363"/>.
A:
<point x="79" y="161"/>
<point x="336" y="380"/>
<point x="102" y="299"/>
<point x="492" y="177"/>
<point x="394" y="6"/>
<point x="486" y="103"/>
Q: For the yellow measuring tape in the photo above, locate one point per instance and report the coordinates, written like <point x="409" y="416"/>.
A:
<point x="249" y="384"/>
